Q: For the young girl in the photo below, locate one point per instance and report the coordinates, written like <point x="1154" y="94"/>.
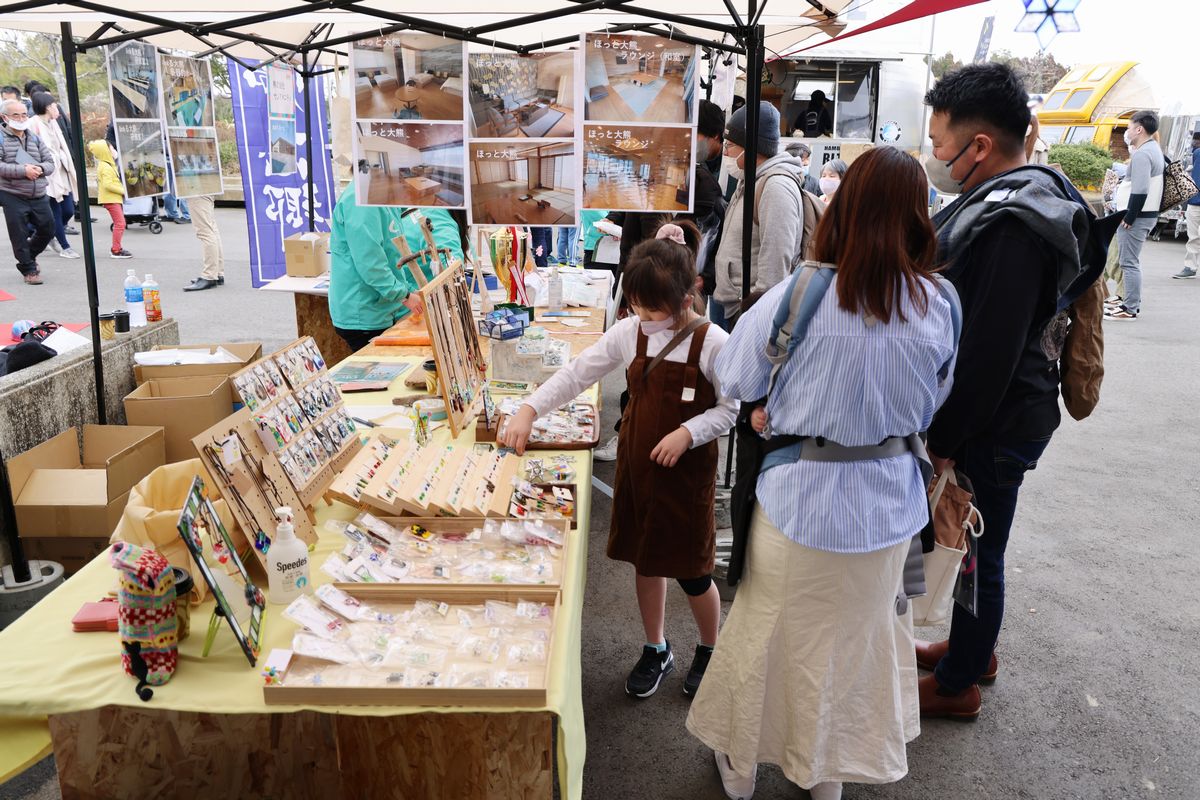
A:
<point x="662" y="519"/>
<point x="110" y="190"/>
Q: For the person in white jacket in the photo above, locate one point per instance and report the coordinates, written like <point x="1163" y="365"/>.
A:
<point x="61" y="185"/>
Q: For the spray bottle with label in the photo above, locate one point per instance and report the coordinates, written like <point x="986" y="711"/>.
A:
<point x="554" y="290"/>
<point x="287" y="562"/>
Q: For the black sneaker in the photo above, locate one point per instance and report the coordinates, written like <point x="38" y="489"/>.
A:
<point x="696" y="674"/>
<point x="649" y="672"/>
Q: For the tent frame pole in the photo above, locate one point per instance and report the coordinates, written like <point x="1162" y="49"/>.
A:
<point x="70" y="54"/>
<point x="306" y="75"/>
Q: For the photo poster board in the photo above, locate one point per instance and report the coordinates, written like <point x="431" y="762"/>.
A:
<point x="281" y="120"/>
<point x="281" y="87"/>
<point x="638" y="130"/>
<point x="191" y="126"/>
<point x="135" y="103"/>
<point x="409" y="121"/>
<point x="523" y="118"/>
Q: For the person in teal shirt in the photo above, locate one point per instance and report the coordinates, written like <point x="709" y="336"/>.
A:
<point x="367" y="294"/>
<point x="591" y="236"/>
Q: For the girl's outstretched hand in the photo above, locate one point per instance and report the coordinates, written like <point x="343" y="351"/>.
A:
<point x="668" y="452"/>
<point x="517" y="428"/>
<point x="758" y="419"/>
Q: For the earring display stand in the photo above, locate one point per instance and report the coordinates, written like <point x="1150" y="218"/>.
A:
<point x="251" y="455"/>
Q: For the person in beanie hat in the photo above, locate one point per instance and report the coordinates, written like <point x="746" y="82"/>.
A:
<point x="779" y="209"/>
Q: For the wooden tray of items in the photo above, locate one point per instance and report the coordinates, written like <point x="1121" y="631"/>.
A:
<point x="397" y="598"/>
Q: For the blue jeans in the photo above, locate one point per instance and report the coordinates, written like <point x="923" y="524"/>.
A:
<point x="996" y="470"/>
<point x="175" y="207"/>
<point x="568" y="246"/>
<point x="544" y="238"/>
<point x="716" y="313"/>
<point x="62" y="211"/>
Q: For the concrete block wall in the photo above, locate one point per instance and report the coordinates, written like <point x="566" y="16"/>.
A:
<point x="42" y="401"/>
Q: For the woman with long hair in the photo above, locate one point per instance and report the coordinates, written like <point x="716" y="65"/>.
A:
<point x="814" y="670"/>
<point x="60" y="184"/>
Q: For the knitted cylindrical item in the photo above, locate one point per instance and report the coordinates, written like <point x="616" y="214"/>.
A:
<point x="146" y="614"/>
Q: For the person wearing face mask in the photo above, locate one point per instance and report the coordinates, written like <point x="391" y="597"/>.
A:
<point x="803" y="152"/>
<point x="1141" y="204"/>
<point x="1191" y="259"/>
<point x="831" y="178"/>
<point x="777" y="238"/>
<point x="25" y="164"/>
<point x="1014" y="244"/>
<point x="708" y="201"/>
<point x="664" y="493"/>
<point x="61" y="187"/>
<point x="367" y="294"/>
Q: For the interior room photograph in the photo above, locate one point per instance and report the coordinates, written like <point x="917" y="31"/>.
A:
<point x="636" y="169"/>
<point x="530" y="96"/>
<point x="415" y="76"/>
<point x="520" y="183"/>
<point x="639" y="79"/>
<point x="406" y="164"/>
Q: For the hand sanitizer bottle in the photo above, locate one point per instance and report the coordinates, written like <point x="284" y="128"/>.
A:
<point x="287" y="562"/>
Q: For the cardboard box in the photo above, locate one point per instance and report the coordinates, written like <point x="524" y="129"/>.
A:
<point x="60" y="492"/>
<point x="183" y="407"/>
<point x="73" y="552"/>
<point x="246" y="351"/>
<point x="306" y="258"/>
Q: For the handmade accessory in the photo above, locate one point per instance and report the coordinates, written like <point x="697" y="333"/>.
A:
<point x="146" y="617"/>
<point x="672" y="232"/>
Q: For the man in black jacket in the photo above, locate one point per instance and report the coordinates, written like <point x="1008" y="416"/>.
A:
<point x="1012" y="244"/>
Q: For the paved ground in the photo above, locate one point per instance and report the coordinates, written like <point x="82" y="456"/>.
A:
<point x="1099" y="695"/>
<point x="229" y="313"/>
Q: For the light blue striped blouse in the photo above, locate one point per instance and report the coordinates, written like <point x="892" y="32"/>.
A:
<point x="854" y="385"/>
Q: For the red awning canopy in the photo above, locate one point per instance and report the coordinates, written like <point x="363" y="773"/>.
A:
<point x="914" y="10"/>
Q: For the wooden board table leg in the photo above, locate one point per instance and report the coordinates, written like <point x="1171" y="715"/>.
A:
<point x="119" y="751"/>
<point x="312" y="319"/>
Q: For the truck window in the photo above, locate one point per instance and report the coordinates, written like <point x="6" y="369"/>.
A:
<point x="1077" y="100"/>
<point x="1098" y="73"/>
<point x="856" y="101"/>
<point x="850" y="88"/>
<point x="1052" y="134"/>
<point x="1082" y="134"/>
<point x="1055" y="100"/>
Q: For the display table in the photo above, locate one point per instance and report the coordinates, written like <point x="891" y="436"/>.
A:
<point x="208" y="733"/>
<point x="312" y="313"/>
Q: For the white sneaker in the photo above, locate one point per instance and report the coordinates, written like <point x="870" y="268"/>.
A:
<point x="606" y="451"/>
<point x="55" y="246"/>
<point x="69" y="253"/>
<point x="737" y="787"/>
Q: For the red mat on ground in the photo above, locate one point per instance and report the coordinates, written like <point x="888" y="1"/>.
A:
<point x="6" y="296"/>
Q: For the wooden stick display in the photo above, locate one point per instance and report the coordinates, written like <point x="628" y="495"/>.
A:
<point x="349" y="486"/>
<point x="456" y="350"/>
<point x="291" y="408"/>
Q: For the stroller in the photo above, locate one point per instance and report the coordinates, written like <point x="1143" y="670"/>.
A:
<point x="142" y="211"/>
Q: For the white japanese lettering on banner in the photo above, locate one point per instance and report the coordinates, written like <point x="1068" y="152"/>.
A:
<point x="285" y="204"/>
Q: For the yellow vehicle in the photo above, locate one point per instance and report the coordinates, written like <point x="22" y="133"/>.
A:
<point x="1093" y="103"/>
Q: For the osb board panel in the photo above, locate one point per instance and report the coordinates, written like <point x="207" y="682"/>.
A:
<point x="120" y="752"/>
<point x="312" y="319"/>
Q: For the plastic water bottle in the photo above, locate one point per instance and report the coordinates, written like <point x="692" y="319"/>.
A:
<point x="554" y="288"/>
<point x="134" y="300"/>
<point x="152" y="301"/>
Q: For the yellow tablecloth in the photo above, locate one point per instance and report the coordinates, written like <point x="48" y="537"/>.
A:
<point x="49" y="669"/>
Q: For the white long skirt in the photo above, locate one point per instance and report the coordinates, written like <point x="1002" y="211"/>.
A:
<point x="813" y="671"/>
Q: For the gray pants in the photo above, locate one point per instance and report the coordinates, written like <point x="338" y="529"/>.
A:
<point x="1129" y="242"/>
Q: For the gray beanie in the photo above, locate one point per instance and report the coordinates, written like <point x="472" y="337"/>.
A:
<point x="768" y="129"/>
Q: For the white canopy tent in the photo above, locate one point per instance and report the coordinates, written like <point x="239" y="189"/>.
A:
<point x="311" y="37"/>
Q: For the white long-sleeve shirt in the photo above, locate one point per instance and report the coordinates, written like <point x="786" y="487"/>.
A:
<point x="617" y="348"/>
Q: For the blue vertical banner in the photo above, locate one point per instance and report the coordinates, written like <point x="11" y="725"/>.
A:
<point x="277" y="205"/>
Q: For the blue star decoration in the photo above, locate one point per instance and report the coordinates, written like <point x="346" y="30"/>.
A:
<point x="1048" y="18"/>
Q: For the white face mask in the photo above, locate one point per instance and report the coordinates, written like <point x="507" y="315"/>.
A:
<point x="804" y="170"/>
<point x="830" y="185"/>
<point x="737" y="172"/>
<point x="18" y="124"/>
<point x="651" y="327"/>
<point x="941" y="176"/>
<point x="1128" y="136"/>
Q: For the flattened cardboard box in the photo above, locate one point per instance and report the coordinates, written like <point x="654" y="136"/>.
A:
<point x="183" y="407"/>
<point x="246" y="351"/>
<point x="306" y="258"/>
<point x="61" y="492"/>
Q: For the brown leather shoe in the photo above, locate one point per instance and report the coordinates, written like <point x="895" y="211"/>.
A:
<point x="930" y="653"/>
<point x="962" y="706"/>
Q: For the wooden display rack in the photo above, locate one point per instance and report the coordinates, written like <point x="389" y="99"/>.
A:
<point x="529" y="697"/>
<point x="461" y="365"/>
<point x="441" y="526"/>
<point x="424" y="480"/>
<point x="345" y="487"/>
<point x="258" y="483"/>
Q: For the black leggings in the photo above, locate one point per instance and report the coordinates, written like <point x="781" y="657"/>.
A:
<point x="694" y="587"/>
<point x="357" y="339"/>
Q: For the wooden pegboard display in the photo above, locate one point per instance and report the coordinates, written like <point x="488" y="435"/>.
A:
<point x="293" y="411"/>
<point x="425" y="480"/>
<point x="462" y="367"/>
